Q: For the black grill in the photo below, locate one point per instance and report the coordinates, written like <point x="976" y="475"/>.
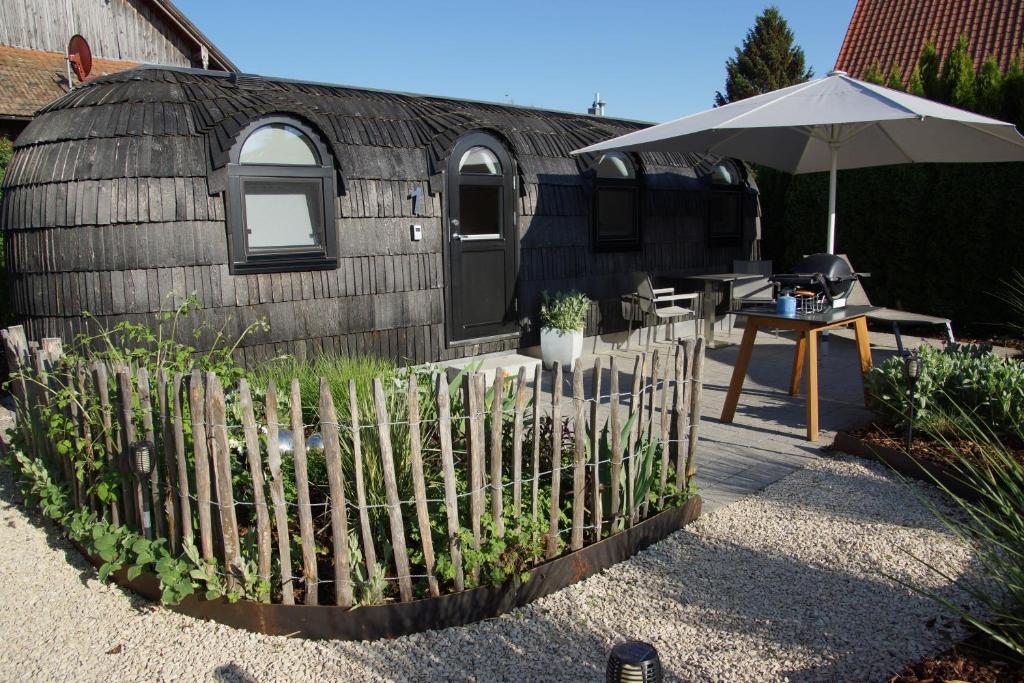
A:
<point x="820" y="274"/>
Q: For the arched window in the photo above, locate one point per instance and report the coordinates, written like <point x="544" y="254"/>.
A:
<point x="616" y="211"/>
<point x="281" y="203"/>
<point x="725" y="205"/>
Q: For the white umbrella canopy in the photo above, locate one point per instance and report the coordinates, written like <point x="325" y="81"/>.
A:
<point x="828" y="124"/>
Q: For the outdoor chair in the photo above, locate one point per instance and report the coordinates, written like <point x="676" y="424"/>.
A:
<point x="895" y="317"/>
<point x="647" y="305"/>
<point x="759" y="291"/>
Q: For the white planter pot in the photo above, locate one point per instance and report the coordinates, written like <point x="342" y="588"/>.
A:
<point x="565" y="348"/>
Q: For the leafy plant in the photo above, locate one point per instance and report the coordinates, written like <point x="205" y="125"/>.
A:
<point x="499" y="560"/>
<point x="366" y="590"/>
<point x="646" y="454"/>
<point x="565" y="311"/>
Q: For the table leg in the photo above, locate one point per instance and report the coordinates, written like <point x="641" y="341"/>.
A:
<point x="739" y="373"/>
<point x="860" y="327"/>
<point x="812" y="385"/>
<point x="709" y="315"/>
<point x="798" y="364"/>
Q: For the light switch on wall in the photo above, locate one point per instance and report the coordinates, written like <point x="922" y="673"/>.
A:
<point x="417" y="233"/>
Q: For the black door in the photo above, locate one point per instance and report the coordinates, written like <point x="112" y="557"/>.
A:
<point x="482" y="239"/>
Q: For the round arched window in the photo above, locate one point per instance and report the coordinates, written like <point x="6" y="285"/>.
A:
<point x="614" y="165"/>
<point x="616" y="216"/>
<point x="480" y="160"/>
<point x="724" y="173"/>
<point x="281" y="204"/>
<point x="725" y="205"/>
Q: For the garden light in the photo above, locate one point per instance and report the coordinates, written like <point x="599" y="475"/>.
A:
<point x="142" y="465"/>
<point x="632" y="661"/>
<point x="912" y="370"/>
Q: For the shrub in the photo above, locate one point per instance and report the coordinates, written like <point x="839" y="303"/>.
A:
<point x="565" y="311"/>
<point x="969" y="379"/>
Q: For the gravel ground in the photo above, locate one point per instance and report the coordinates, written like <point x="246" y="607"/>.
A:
<point x="786" y="584"/>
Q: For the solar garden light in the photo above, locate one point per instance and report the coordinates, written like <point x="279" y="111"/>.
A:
<point x="912" y="371"/>
<point x="142" y="465"/>
<point x="632" y="661"/>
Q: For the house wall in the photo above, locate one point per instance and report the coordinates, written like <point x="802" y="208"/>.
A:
<point x="113" y="205"/>
<point x="126" y="30"/>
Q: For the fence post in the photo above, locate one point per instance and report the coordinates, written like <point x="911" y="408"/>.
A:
<point x="369" y="552"/>
<point x="517" y="447"/>
<point x="684" y="362"/>
<point x="167" y="444"/>
<point x="579" y="480"/>
<point x="135" y="513"/>
<point x="99" y="371"/>
<point x="556" y="459"/>
<point x="444" y="435"/>
<point x="697" y="380"/>
<point x="90" y="452"/>
<point x="616" y="445"/>
<point x="535" y="472"/>
<point x="310" y="574"/>
<point x="146" y="406"/>
<point x="595" y="448"/>
<point x="197" y="414"/>
<point x="184" y="504"/>
<point x="497" y="418"/>
<point x="655" y="358"/>
<point x="418" y="483"/>
<point x="477" y="494"/>
<point x="284" y="552"/>
<point x="391" y="492"/>
<point x="336" y="480"/>
<point x="636" y="415"/>
<point x="222" y="463"/>
<point x="252" y="452"/>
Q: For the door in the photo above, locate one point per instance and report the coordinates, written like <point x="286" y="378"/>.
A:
<point x="482" y="239"/>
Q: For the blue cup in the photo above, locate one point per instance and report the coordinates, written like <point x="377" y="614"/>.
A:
<point x="785" y="305"/>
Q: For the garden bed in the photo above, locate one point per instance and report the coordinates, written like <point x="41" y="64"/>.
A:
<point x="398" y="619"/>
<point x="978" y="659"/>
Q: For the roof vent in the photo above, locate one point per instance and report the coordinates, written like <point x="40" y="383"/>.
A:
<point x="597" y="108"/>
<point x="247" y="82"/>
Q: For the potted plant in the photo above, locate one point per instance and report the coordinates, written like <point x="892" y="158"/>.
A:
<point x="562" y="317"/>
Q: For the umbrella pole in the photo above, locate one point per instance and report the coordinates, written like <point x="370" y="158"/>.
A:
<point x="832" y="199"/>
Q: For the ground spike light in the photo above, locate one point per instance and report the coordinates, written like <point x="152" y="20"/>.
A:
<point x="912" y="369"/>
<point x="634" y="661"/>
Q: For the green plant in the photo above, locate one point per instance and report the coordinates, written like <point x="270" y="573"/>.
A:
<point x="647" y="453"/>
<point x="499" y="560"/>
<point x="367" y="590"/>
<point x="565" y="311"/>
<point x="991" y="522"/>
<point x="965" y="378"/>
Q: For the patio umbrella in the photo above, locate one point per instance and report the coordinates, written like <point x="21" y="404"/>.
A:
<point x="828" y="124"/>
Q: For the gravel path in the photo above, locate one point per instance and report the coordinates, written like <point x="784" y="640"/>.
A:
<point x="784" y="584"/>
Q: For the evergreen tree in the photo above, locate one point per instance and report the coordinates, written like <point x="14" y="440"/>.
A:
<point x="1013" y="93"/>
<point x="895" y="78"/>
<point x="768" y="60"/>
<point x="988" y="87"/>
<point x="915" y="86"/>
<point x="928" y="65"/>
<point x="958" y="76"/>
<point x="873" y="74"/>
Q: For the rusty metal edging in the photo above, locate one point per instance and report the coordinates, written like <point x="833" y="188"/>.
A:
<point x="398" y="619"/>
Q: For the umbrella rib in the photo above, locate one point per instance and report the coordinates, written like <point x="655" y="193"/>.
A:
<point x="1019" y="142"/>
<point x="769" y="103"/>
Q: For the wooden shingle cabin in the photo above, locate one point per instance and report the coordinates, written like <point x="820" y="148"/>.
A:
<point x="354" y="221"/>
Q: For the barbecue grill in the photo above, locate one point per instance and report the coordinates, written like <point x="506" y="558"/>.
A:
<point x="826" y="278"/>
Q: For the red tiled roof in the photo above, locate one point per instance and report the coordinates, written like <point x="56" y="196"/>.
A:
<point x="887" y="32"/>
<point x="30" y="79"/>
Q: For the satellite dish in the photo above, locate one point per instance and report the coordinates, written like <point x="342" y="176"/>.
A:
<point x="80" y="56"/>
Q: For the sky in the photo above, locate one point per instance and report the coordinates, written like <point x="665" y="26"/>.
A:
<point x="651" y="61"/>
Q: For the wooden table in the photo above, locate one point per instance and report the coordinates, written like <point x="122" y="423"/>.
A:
<point x="711" y="280"/>
<point x="808" y="326"/>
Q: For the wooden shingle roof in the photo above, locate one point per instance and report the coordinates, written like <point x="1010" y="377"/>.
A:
<point x="161" y="122"/>
<point x="887" y="32"/>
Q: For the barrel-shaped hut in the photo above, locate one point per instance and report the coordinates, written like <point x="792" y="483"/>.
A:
<point x="354" y="221"/>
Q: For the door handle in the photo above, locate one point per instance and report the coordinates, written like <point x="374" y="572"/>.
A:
<point x="458" y="237"/>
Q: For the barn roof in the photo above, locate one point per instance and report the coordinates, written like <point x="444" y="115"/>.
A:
<point x="172" y="122"/>
<point x="886" y="32"/>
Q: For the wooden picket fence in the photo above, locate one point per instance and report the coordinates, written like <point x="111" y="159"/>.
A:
<point x="196" y="455"/>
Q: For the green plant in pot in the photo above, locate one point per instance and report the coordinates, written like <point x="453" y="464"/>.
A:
<point x="562" y="317"/>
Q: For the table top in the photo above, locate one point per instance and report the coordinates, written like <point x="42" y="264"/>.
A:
<point x="826" y="317"/>
<point x="723" y="277"/>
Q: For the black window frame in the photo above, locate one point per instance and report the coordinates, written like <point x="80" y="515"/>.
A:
<point x="734" y="193"/>
<point x="633" y="242"/>
<point x="243" y="259"/>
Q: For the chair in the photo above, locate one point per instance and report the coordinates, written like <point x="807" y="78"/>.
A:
<point x="759" y="291"/>
<point x="895" y="317"/>
<point x="648" y="303"/>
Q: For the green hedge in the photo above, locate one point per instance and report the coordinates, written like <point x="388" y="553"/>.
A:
<point x="936" y="238"/>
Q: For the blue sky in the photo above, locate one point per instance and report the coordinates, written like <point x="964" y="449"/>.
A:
<point x="653" y="61"/>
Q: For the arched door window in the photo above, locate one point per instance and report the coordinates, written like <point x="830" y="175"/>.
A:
<point x="281" y="203"/>
<point x="725" y="205"/>
<point x="482" y="241"/>
<point x="616" y="211"/>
